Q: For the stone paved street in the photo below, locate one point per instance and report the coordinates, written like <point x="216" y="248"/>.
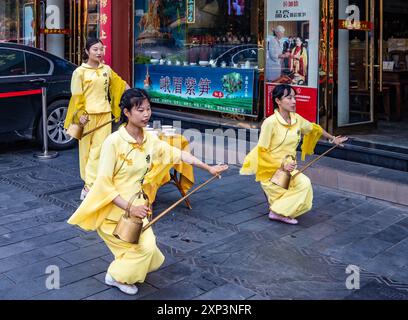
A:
<point x="225" y="248"/>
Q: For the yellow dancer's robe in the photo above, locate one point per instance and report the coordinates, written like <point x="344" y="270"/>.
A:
<point x="277" y="140"/>
<point x="98" y="91"/>
<point x="122" y="168"/>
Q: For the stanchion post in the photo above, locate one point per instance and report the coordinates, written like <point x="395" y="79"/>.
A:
<point x="45" y="154"/>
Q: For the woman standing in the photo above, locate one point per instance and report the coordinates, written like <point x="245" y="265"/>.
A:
<point x="126" y="157"/>
<point x="280" y="136"/>
<point x="97" y="89"/>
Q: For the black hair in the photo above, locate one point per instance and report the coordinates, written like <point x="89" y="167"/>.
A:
<point x="302" y="45"/>
<point x="281" y="91"/>
<point x="89" y="43"/>
<point x="133" y="97"/>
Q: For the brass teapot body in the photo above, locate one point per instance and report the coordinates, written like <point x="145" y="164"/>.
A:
<point x="129" y="228"/>
<point x="282" y="177"/>
<point x="76" y="128"/>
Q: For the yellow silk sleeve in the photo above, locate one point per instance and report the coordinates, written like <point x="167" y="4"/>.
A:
<point x="77" y="100"/>
<point x="266" y="134"/>
<point x="304" y="57"/>
<point x="261" y="162"/>
<point x="116" y="88"/>
<point x="75" y="103"/>
<point x="310" y="140"/>
<point x="99" y="201"/>
<point x="164" y="158"/>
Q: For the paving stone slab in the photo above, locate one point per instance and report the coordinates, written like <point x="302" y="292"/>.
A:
<point x="375" y="291"/>
<point x="42" y="180"/>
<point x="86" y="253"/>
<point x="116" y="294"/>
<point x="86" y="240"/>
<point x="83" y="270"/>
<point x="34" y="243"/>
<point x="188" y="233"/>
<point x="11" y="162"/>
<point x="170" y="275"/>
<point x="35" y="270"/>
<point x="23" y="259"/>
<point x="75" y="291"/>
<point x="227" y="291"/>
<point x="183" y="290"/>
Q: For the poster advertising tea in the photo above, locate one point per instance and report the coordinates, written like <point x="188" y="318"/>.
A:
<point x="292" y="40"/>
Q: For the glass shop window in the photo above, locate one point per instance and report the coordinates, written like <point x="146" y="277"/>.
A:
<point x="213" y="33"/>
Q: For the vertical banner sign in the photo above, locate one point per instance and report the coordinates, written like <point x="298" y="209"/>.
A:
<point x="105" y="29"/>
<point x="190" y="11"/>
<point x="292" y="52"/>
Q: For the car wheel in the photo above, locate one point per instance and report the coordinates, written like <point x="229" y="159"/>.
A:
<point x="58" y="139"/>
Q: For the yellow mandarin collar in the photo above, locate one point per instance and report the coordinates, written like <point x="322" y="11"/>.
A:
<point x="85" y="65"/>
<point x="128" y="138"/>
<point x="293" y="119"/>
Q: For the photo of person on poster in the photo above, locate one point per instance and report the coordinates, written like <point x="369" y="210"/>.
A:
<point x="298" y="62"/>
<point x="276" y="52"/>
<point x="287" y="52"/>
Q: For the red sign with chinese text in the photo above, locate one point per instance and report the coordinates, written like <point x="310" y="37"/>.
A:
<point x="306" y="101"/>
<point x="105" y="30"/>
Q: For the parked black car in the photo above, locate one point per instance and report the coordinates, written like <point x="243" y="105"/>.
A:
<point x="20" y="94"/>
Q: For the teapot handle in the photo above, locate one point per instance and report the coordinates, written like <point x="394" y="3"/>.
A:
<point x="130" y="203"/>
<point x="76" y="113"/>
<point x="133" y="198"/>
<point x="286" y="158"/>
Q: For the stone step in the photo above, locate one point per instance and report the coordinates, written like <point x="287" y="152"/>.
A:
<point x="367" y="180"/>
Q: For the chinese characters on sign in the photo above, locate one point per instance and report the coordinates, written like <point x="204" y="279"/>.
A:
<point x="55" y="31"/>
<point x="190" y="14"/>
<point x="290" y="4"/>
<point x="356" y="25"/>
<point x="105" y="30"/>
<point x="190" y="84"/>
<point x="214" y="89"/>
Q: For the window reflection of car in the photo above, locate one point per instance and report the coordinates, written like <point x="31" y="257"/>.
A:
<point x="240" y="54"/>
<point x="20" y="95"/>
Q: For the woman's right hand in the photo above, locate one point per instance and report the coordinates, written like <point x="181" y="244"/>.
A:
<point x="139" y="211"/>
<point x="218" y="169"/>
<point x="290" y="166"/>
<point x="83" y="119"/>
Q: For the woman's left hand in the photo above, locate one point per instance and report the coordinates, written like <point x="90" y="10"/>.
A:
<point x="339" y="140"/>
<point x="214" y="170"/>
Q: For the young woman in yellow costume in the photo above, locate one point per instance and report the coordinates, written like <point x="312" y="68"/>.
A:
<point x="279" y="137"/>
<point x="126" y="157"/>
<point x="93" y="84"/>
